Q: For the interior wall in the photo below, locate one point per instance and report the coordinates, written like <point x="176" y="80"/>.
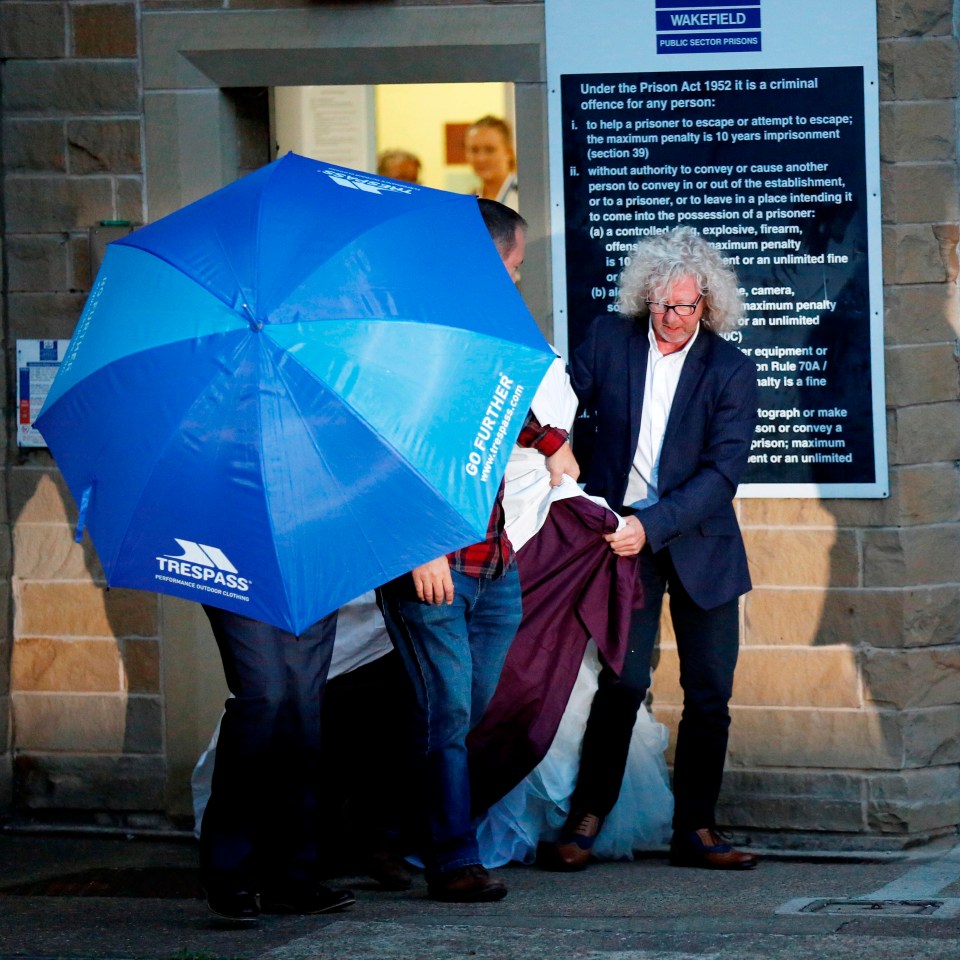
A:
<point x="414" y="116"/>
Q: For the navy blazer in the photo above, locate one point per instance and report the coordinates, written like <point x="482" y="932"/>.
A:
<point x="705" y="448"/>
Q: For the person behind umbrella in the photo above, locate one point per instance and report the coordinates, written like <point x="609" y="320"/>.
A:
<point x="452" y="621"/>
<point x="259" y="837"/>
<point x="673" y="406"/>
<point x="399" y="165"/>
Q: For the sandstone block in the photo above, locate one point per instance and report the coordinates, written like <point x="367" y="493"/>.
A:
<point x="40" y="496"/>
<point x="144" y="725"/>
<point x="914" y="800"/>
<point x="31" y="30"/>
<point x="58" y="204"/>
<point x="6" y="645"/>
<point x="765" y="812"/>
<point x="881" y="618"/>
<point x="924" y="69"/>
<point x="926" y="493"/>
<point x="52" y="88"/>
<point x="808" y="558"/>
<point x="927" y="677"/>
<point x="37" y="263"/>
<point x="44" y="315"/>
<point x="921" y="374"/>
<point x="6" y="553"/>
<point x="948" y="237"/>
<point x="924" y="192"/>
<point x="785" y="677"/>
<point x="831" y="738"/>
<point x="926" y="434"/>
<point x="914" y="19"/>
<point x="920" y="254"/>
<point x="786" y="513"/>
<point x="666" y="678"/>
<point x="931" y="736"/>
<point x="34" y="145"/>
<point x="70" y="723"/>
<point x="81" y="278"/>
<point x="85" y="610"/>
<point x="888" y="243"/>
<point x="130" y="199"/>
<point x="911" y="556"/>
<point x="66" y="666"/>
<point x="48" y="552"/>
<point x="56" y="782"/>
<point x="104" y="30"/>
<point x="911" y="130"/>
<point x="141" y="664"/>
<point x="922" y="313"/>
<point x="104" y="146"/>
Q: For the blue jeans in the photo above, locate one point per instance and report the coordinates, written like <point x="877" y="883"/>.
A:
<point x="454" y="654"/>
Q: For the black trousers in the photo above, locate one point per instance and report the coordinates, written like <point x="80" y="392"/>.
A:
<point x="707" y="645"/>
<point x="260" y="826"/>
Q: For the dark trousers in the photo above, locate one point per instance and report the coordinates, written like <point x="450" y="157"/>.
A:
<point x="259" y="829"/>
<point x="707" y="645"/>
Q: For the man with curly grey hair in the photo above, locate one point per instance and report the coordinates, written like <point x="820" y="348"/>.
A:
<point x="672" y="406"/>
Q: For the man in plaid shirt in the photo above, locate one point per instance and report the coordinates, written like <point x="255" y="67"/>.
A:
<point x="452" y="621"/>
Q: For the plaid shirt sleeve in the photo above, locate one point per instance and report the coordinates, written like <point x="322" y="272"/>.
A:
<point x="548" y="440"/>
<point x="490" y="558"/>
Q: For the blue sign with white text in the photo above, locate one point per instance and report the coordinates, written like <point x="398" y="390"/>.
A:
<point x="698" y="26"/>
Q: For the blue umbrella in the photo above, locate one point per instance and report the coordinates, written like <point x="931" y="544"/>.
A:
<point x="293" y="390"/>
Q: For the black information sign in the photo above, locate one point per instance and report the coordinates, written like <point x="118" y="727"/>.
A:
<point x="769" y="165"/>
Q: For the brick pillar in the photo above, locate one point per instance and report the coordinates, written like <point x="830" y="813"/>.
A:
<point x="83" y="681"/>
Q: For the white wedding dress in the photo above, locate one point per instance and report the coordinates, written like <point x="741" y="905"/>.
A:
<point x="535" y="810"/>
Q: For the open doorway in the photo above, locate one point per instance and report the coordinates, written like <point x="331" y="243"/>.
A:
<point x="353" y="126"/>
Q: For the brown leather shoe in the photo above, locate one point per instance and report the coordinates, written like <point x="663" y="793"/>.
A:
<point x="707" y="848"/>
<point x="470" y="884"/>
<point x="389" y="871"/>
<point x="574" y="848"/>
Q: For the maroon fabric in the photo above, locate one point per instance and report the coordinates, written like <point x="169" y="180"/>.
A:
<point x="574" y="588"/>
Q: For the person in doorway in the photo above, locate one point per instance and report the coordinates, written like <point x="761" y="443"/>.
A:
<point x="673" y="408"/>
<point x="399" y="165"/>
<point x="452" y="621"/>
<point x="489" y="148"/>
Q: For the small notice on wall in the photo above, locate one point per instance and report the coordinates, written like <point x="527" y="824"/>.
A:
<point x="37" y="364"/>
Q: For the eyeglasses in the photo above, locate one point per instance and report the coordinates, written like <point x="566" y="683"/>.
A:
<point x="680" y="309"/>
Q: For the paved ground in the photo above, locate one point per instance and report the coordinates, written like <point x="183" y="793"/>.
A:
<point x="136" y="898"/>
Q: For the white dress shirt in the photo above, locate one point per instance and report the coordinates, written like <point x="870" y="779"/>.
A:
<point x="659" y="388"/>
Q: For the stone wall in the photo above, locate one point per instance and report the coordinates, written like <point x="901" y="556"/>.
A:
<point x="846" y="725"/>
<point x="84" y="669"/>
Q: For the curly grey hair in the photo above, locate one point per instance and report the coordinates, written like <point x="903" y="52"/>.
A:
<point x="661" y="261"/>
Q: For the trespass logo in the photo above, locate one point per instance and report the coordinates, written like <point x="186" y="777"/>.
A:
<point x="708" y="26"/>
<point x="203" y="563"/>
<point x="368" y="183"/>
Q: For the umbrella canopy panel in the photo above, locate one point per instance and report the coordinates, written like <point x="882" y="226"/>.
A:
<point x="272" y="421"/>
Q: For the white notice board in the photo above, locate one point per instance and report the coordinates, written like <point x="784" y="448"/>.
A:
<point x="756" y="123"/>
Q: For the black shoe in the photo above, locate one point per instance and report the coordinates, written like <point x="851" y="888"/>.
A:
<point x="308" y="898"/>
<point x="470" y="884"/>
<point x="239" y="906"/>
